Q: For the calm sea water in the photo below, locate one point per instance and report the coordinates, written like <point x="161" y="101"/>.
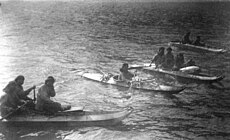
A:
<point x="38" y="39"/>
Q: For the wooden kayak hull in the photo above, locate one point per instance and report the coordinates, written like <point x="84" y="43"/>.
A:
<point x="156" y="88"/>
<point x="68" y="119"/>
<point x="196" y="48"/>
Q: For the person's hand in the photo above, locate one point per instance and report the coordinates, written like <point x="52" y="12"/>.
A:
<point x="33" y="87"/>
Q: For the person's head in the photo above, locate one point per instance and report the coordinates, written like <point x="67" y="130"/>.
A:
<point x="124" y="67"/>
<point x="50" y="80"/>
<point x="169" y="49"/>
<point x="20" y="80"/>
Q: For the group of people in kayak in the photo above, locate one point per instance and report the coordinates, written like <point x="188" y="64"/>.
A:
<point x="186" y="40"/>
<point x="16" y="96"/>
<point x="161" y="60"/>
<point x="168" y="62"/>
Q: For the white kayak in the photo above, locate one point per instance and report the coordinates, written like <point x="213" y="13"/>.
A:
<point x="76" y="117"/>
<point x="140" y="85"/>
<point x="195" y="48"/>
<point x="181" y="74"/>
<point x="189" y="69"/>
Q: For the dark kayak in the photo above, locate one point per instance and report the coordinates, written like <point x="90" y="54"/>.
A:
<point x="195" y="48"/>
<point x="68" y="118"/>
<point x="180" y="75"/>
<point x="110" y="79"/>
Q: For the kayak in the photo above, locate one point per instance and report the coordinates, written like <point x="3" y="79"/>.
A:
<point x="68" y="118"/>
<point x="140" y="85"/>
<point x="189" y="69"/>
<point x="180" y="75"/>
<point x="195" y="48"/>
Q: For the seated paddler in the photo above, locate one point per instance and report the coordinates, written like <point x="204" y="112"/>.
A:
<point x="44" y="103"/>
<point x="197" y="42"/>
<point x="125" y="74"/>
<point x="15" y="96"/>
<point x="159" y="58"/>
<point x="186" y="38"/>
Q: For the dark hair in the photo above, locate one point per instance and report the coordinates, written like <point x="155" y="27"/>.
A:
<point x="19" y="77"/>
<point x="49" y="78"/>
<point x="125" y="64"/>
<point x="169" y="49"/>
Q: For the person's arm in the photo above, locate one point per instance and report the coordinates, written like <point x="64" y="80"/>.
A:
<point x="26" y="92"/>
<point x="120" y="77"/>
<point x="155" y="57"/>
<point x="52" y="92"/>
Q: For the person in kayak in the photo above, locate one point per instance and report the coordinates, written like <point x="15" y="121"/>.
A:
<point x="180" y="62"/>
<point x="44" y="103"/>
<point x="186" y="38"/>
<point x="197" y="42"/>
<point x="16" y="96"/>
<point x="169" y="59"/>
<point x="159" y="58"/>
<point x="125" y="75"/>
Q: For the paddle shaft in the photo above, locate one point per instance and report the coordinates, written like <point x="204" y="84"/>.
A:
<point x="34" y="96"/>
<point x="7" y="115"/>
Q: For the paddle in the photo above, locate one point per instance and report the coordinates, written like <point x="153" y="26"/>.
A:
<point x="12" y="112"/>
<point x="34" y="96"/>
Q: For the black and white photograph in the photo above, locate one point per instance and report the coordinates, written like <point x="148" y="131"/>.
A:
<point x="114" y="69"/>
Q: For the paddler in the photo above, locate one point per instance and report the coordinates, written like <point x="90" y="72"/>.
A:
<point x="125" y="75"/>
<point x="169" y="59"/>
<point x="159" y="58"/>
<point x="15" y="96"/>
<point x="186" y="38"/>
<point x="197" y="42"/>
<point x="44" y="103"/>
<point x="180" y="62"/>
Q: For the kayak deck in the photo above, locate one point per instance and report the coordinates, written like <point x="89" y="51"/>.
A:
<point x="183" y="75"/>
<point x="177" y="74"/>
<point x="112" y="80"/>
<point x="70" y="118"/>
<point x="196" y="48"/>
